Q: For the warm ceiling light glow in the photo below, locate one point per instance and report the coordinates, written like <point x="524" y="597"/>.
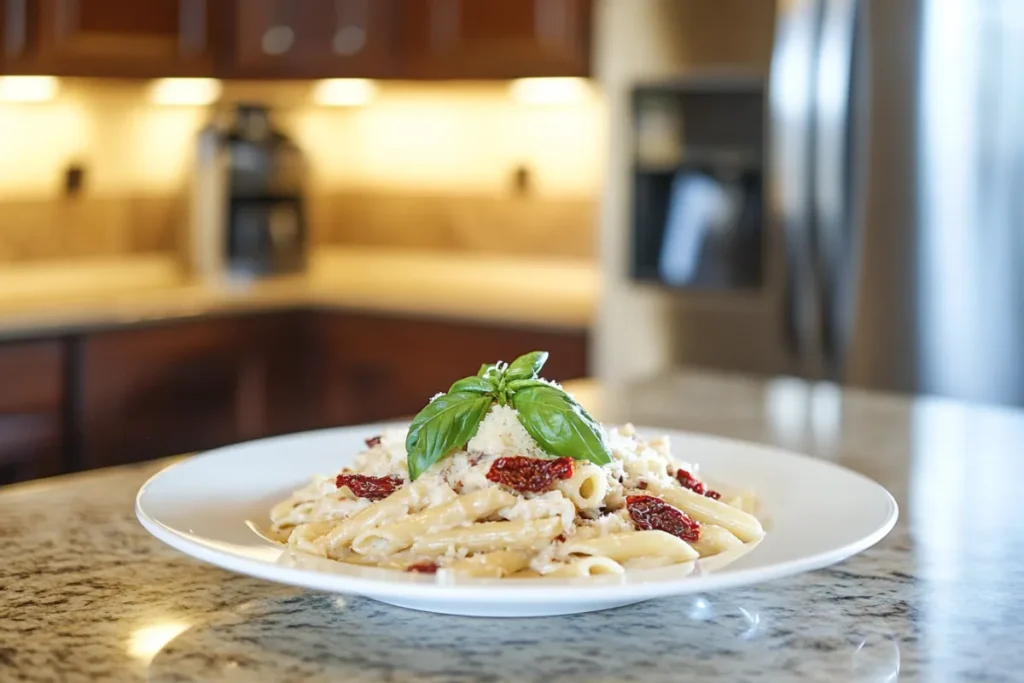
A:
<point x="145" y="642"/>
<point x="28" y="88"/>
<point x="344" y="92"/>
<point x="184" y="91"/>
<point x="549" y="90"/>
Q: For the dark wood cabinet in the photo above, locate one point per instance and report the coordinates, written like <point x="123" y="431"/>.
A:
<point x="151" y="38"/>
<point x="474" y="39"/>
<point x="126" y="395"/>
<point x="171" y="389"/>
<point x="292" y="372"/>
<point x="160" y="390"/>
<point x="312" y="39"/>
<point x="431" y="39"/>
<point x="31" y="410"/>
<point x="378" y="368"/>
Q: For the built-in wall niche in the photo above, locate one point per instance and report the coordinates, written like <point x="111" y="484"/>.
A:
<point x="698" y="182"/>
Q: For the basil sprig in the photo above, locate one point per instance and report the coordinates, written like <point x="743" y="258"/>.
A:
<point x="448" y="422"/>
<point x="552" y="417"/>
<point x="560" y="425"/>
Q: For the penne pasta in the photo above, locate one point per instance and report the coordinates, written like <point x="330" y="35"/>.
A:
<point x="526" y="574"/>
<point x="709" y="511"/>
<point x="714" y="540"/>
<point x="307" y="538"/>
<point x="385" y="540"/>
<point x="496" y="564"/>
<point x="490" y="536"/>
<point x="586" y="488"/>
<point x="633" y="544"/>
<point x="588" y="566"/>
<point x="391" y="508"/>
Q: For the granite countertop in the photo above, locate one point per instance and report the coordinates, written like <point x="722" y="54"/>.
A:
<point x="86" y="594"/>
<point x="37" y="300"/>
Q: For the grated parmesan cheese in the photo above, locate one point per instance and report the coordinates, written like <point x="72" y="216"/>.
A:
<point x="614" y="523"/>
<point x="466" y="473"/>
<point x="501" y="434"/>
<point x="550" y="504"/>
<point x="388" y="458"/>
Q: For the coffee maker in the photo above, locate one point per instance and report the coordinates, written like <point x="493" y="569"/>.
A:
<point x="248" y="213"/>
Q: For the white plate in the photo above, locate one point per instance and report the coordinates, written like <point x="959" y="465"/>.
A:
<point x="815" y="513"/>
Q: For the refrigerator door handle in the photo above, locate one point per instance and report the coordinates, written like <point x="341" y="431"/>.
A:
<point x="791" y="100"/>
<point x="838" y="186"/>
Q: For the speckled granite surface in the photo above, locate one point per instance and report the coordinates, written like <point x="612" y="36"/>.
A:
<point x="86" y="594"/>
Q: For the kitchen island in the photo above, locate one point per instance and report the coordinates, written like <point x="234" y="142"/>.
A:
<point x="88" y="595"/>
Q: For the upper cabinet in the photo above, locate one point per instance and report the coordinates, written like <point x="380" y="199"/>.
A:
<point x="474" y="39"/>
<point x="313" y="39"/>
<point x="422" y="39"/>
<point x="108" y="37"/>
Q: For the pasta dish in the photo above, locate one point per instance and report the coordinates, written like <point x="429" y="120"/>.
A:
<point x="505" y="476"/>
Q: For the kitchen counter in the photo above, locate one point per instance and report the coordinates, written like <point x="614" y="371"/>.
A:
<point x="42" y="300"/>
<point x="88" y="595"/>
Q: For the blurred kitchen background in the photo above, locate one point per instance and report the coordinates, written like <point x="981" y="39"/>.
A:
<point x="228" y="219"/>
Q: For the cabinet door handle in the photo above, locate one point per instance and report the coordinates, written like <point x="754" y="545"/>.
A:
<point x="551" y="20"/>
<point x="351" y="27"/>
<point x="14" y="27"/>
<point x="67" y="17"/>
<point x="444" y="24"/>
<point x="279" y="38"/>
<point x="192" y="32"/>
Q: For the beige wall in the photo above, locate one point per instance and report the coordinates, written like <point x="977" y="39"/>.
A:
<point x="448" y="147"/>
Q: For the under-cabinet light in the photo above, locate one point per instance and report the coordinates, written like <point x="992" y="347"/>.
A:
<point x="184" y="91"/>
<point x="547" y="91"/>
<point x="344" y="92"/>
<point x="28" y="88"/>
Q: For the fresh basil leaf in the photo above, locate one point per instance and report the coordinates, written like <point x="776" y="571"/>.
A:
<point x="560" y="425"/>
<point x="446" y="423"/>
<point x="484" y="369"/>
<point x="476" y="385"/>
<point x="517" y="384"/>
<point x="527" y="366"/>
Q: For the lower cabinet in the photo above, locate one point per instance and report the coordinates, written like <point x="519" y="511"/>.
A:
<point x="162" y="390"/>
<point x="126" y="395"/>
<point x="31" y="410"/>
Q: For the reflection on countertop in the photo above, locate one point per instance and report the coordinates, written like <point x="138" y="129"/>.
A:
<point x="63" y="296"/>
<point x="88" y="595"/>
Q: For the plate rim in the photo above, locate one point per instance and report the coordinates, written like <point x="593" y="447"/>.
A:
<point x="505" y="591"/>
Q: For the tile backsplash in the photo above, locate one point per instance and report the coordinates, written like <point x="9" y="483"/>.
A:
<point x="42" y="229"/>
<point x="557" y="226"/>
<point x="424" y="165"/>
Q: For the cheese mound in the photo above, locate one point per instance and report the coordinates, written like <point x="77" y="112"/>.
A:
<point x="501" y="434"/>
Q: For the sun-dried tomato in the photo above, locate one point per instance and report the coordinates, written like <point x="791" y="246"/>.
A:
<point x="422" y="568"/>
<point x="373" y="441"/>
<point x="688" y="481"/>
<point x="648" y="512"/>
<point x="371" y="488"/>
<point x="691" y="482"/>
<point x="531" y="475"/>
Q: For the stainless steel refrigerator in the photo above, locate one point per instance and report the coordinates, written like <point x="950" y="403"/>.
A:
<point x="853" y="207"/>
